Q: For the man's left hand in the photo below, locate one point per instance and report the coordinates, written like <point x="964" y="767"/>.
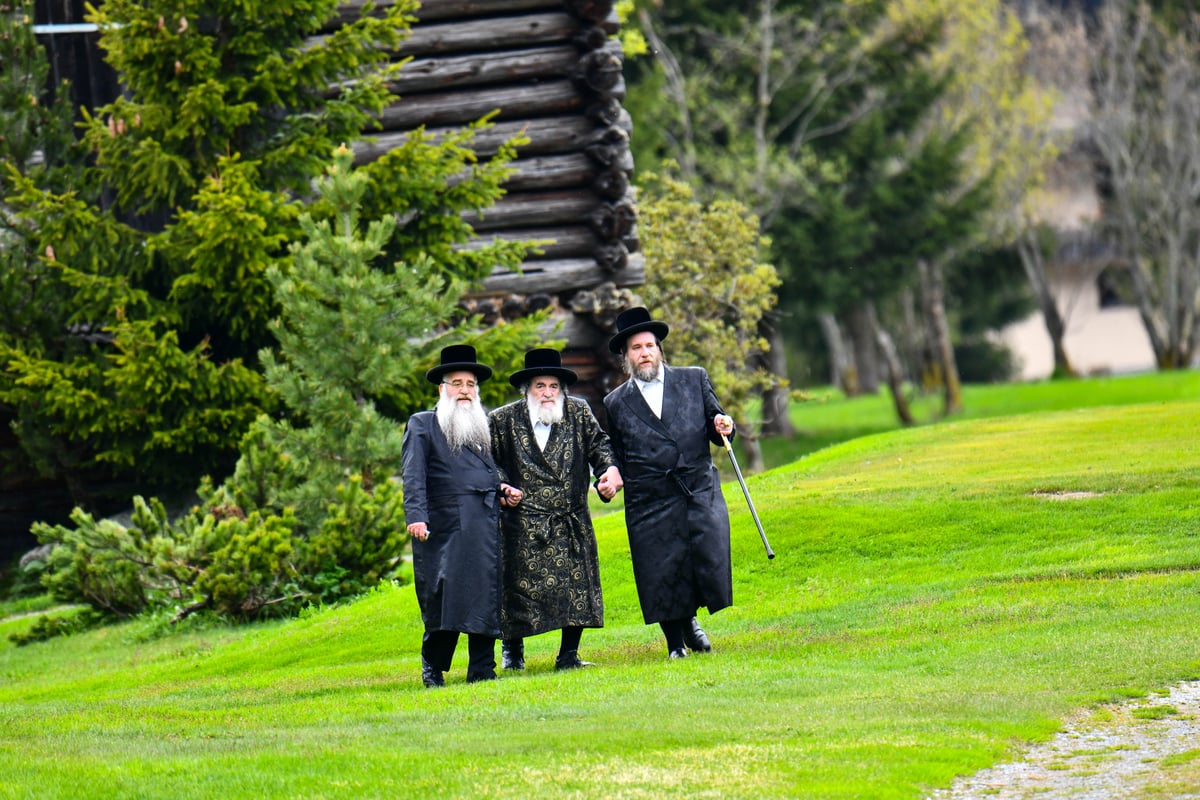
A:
<point x="510" y="496"/>
<point x="723" y="424"/>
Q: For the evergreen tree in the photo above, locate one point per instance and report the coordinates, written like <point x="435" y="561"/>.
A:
<point x="157" y="300"/>
<point x="348" y="334"/>
<point x="312" y="512"/>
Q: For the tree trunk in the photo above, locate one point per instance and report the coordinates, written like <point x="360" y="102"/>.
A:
<point x="752" y="450"/>
<point x="776" y="421"/>
<point x="842" y="374"/>
<point x="1035" y="270"/>
<point x="866" y="351"/>
<point x="934" y="301"/>
<point x="895" y="373"/>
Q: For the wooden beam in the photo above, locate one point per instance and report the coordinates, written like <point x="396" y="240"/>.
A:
<point x="447" y="9"/>
<point x="447" y="72"/>
<point x="562" y="275"/>
<point x="547" y="136"/>
<point x="547" y="98"/>
<point x="438" y="10"/>
<point x="466" y="36"/>
<point x="511" y="66"/>
<point x="552" y="172"/>
<point x="554" y="242"/>
<point x="535" y="208"/>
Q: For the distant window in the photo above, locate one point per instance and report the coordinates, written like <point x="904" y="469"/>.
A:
<point x="1115" y="286"/>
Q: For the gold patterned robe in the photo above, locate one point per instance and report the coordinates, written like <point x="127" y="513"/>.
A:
<point x="550" y="566"/>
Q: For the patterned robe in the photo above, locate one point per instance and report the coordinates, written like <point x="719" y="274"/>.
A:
<point x="551" y="568"/>
<point x="457" y="569"/>
<point x="675" y="513"/>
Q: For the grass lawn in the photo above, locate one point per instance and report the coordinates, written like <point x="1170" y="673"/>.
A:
<point x="941" y="595"/>
<point x="827" y="417"/>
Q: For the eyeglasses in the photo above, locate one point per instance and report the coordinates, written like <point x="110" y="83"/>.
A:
<point x="459" y="385"/>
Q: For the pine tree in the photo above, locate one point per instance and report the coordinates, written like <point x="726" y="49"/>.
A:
<point x="158" y="300"/>
<point x="313" y="511"/>
<point x="349" y="332"/>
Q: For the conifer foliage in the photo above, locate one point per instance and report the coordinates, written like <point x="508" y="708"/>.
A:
<point x="153" y="297"/>
<point x="312" y="512"/>
<point x="348" y="333"/>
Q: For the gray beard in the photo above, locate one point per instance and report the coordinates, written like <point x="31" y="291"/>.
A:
<point x="463" y="426"/>
<point x="546" y="416"/>
<point x="647" y="373"/>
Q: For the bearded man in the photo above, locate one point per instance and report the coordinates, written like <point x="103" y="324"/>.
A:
<point x="549" y="446"/>
<point x="661" y="422"/>
<point x="452" y="499"/>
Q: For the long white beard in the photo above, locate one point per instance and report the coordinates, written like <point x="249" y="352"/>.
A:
<point x="463" y="425"/>
<point x="546" y="416"/>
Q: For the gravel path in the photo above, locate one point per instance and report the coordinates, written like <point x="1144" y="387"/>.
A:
<point x="1149" y="748"/>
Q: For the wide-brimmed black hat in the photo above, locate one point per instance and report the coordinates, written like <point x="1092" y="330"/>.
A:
<point x="542" y="361"/>
<point x="635" y="320"/>
<point x="459" y="358"/>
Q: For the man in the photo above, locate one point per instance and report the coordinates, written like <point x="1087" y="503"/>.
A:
<point x="549" y="446"/>
<point x="452" y="498"/>
<point x="661" y="422"/>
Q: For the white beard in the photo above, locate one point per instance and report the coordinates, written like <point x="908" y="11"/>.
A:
<point x="463" y="425"/>
<point x="546" y="416"/>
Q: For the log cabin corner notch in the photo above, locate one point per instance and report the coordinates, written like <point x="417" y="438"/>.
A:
<point x="551" y="69"/>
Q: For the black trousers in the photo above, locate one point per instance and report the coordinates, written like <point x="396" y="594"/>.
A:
<point x="437" y="648"/>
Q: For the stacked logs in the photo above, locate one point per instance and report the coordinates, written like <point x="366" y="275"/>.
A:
<point x="552" y="71"/>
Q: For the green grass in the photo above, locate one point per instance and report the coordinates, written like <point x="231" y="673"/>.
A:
<point x="941" y="595"/>
<point x="828" y="417"/>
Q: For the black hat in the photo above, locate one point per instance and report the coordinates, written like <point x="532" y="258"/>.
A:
<point x="459" y="358"/>
<point x="543" y="361"/>
<point x="635" y="320"/>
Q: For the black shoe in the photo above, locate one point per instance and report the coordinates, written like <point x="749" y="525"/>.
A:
<point x="695" y="637"/>
<point x="512" y="654"/>
<point x="431" y="677"/>
<point x="482" y="676"/>
<point x="571" y="660"/>
<point x="680" y="652"/>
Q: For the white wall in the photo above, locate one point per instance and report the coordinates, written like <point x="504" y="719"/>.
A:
<point x="1098" y="340"/>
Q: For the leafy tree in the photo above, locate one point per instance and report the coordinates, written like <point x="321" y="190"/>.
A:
<point x="1145" y="127"/>
<point x="706" y="279"/>
<point x="767" y="99"/>
<point x="1007" y="116"/>
<point x="832" y="120"/>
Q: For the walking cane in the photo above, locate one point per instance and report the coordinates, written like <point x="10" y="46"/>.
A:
<point x="738" y="471"/>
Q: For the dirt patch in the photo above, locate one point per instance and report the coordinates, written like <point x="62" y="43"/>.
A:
<point x="1066" y="495"/>
<point x="1144" y="749"/>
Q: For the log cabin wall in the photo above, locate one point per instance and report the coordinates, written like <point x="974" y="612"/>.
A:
<point x="553" y="71"/>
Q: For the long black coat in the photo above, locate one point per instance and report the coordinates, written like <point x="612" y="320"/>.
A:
<point x="457" y="569"/>
<point x="551" y="567"/>
<point x="675" y="513"/>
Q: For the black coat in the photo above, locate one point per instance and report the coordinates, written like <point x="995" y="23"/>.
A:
<point x="675" y="513"/>
<point x="457" y="569"/>
<point x="551" y="567"/>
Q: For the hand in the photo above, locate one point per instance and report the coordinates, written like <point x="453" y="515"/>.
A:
<point x="724" y="424"/>
<point x="610" y="483"/>
<point x="418" y="531"/>
<point x="510" y="496"/>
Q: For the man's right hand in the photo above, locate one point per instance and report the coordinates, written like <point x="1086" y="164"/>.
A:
<point x="418" y="531"/>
